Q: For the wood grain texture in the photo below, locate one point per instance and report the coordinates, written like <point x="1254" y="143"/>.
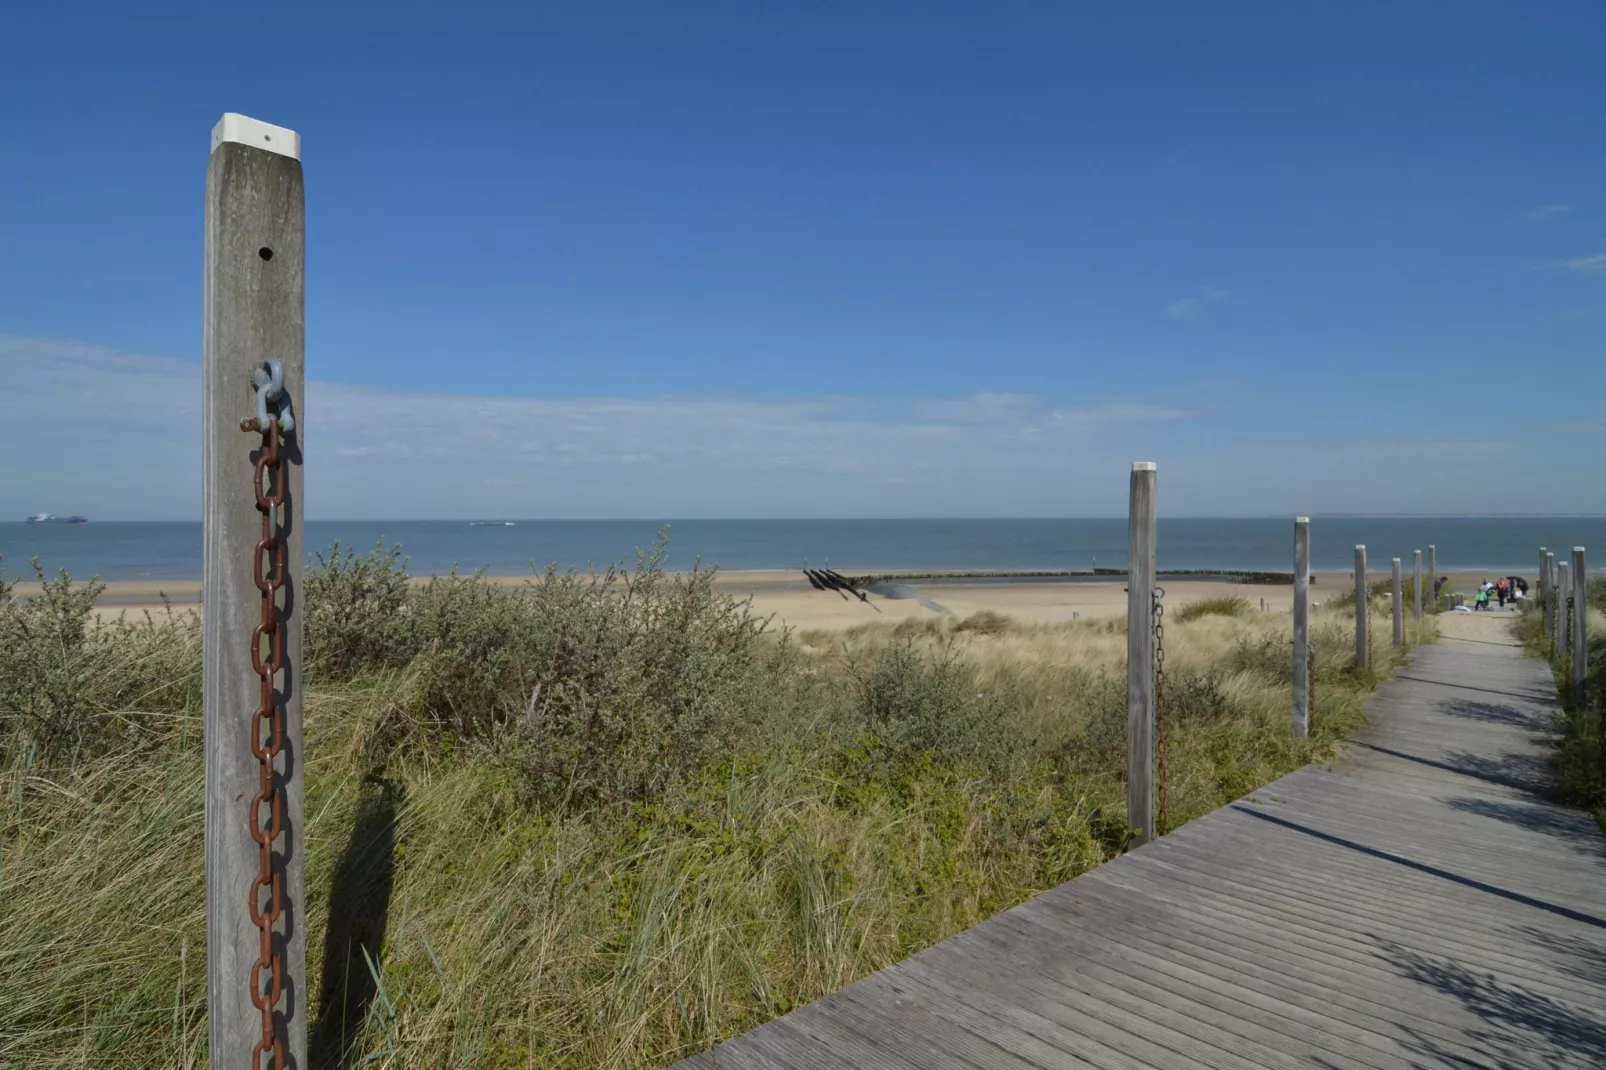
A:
<point x="253" y="310"/>
<point x="1140" y="752"/>
<point x="1362" y="606"/>
<point x="1416" y="607"/>
<point x="1551" y="577"/>
<point x="1580" y="624"/>
<point x="1301" y="688"/>
<point x="1420" y="905"/>
<point x="1543" y="591"/>
<point x="1399" y="608"/>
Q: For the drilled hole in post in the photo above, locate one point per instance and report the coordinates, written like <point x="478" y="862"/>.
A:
<point x="265" y="253"/>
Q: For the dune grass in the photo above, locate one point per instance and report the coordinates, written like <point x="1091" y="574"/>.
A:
<point x="1221" y="606"/>
<point x="1581" y="758"/>
<point x="781" y="813"/>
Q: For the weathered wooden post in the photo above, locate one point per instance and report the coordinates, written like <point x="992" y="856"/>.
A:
<point x="1301" y="626"/>
<point x="1549" y="585"/>
<point x="1542" y="592"/>
<point x="1399" y="608"/>
<point x="1416" y="603"/>
<point x="1140" y="752"/>
<point x="1362" y="649"/>
<point x="1564" y="619"/>
<point x="1580" y="625"/>
<point x="256" y="924"/>
<point x="1433" y="576"/>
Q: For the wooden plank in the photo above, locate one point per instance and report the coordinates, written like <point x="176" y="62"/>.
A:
<point x="254" y="295"/>
<point x="1140" y="753"/>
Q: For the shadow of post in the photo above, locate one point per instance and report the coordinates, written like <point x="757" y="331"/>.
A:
<point x="359" y="907"/>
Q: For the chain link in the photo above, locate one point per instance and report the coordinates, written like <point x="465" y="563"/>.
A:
<point x="1162" y="819"/>
<point x="267" y="740"/>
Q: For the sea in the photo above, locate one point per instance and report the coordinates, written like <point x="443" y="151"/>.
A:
<point x="116" y="550"/>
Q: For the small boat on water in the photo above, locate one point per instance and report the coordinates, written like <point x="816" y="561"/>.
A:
<point x="490" y="523"/>
<point x="46" y="518"/>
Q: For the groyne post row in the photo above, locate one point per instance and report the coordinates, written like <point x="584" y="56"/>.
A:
<point x="253" y="301"/>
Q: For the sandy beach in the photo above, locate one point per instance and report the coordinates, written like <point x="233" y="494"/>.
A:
<point x="787" y="595"/>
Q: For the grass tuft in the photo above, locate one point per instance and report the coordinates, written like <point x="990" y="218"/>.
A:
<point x="1220" y="606"/>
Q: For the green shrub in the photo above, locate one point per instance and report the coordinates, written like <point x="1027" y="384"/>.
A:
<point x="71" y="688"/>
<point x="357" y="612"/>
<point x="1220" y="606"/>
<point x="912" y="708"/>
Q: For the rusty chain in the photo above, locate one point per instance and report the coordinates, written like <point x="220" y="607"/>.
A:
<point x="267" y="723"/>
<point x="1162" y="819"/>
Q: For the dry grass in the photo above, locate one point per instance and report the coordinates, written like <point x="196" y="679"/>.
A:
<point x="456" y="920"/>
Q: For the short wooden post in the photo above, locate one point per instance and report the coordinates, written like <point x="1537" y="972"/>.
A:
<point x="1542" y="592"/>
<point x="1433" y="576"/>
<point x="1580" y="624"/>
<point x="1564" y="619"/>
<point x="1301" y="626"/>
<point x="253" y="298"/>
<point x="1362" y="649"/>
<point x="1416" y="607"/>
<point x="1140" y="753"/>
<point x="1399" y="608"/>
<point x="1549" y="585"/>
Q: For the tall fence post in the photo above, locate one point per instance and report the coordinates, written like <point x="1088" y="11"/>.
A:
<point x="1564" y="619"/>
<point x="1551" y="579"/>
<point x="253" y="310"/>
<point x="1433" y="577"/>
<point x="1543" y="593"/>
<point x="1301" y="626"/>
<point x="1140" y="755"/>
<point x="1580" y="625"/>
<point x="1399" y="609"/>
<point x="1416" y="607"/>
<point x="1362" y="642"/>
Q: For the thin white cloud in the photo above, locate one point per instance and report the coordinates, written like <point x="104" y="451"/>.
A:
<point x="1587" y="264"/>
<point x="118" y="435"/>
<point x="986" y="408"/>
<point x="1546" y="212"/>
<point x="1190" y="306"/>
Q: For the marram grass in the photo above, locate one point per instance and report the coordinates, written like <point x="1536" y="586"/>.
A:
<point x="865" y="794"/>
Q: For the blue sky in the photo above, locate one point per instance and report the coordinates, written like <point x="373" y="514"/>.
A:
<point x="883" y="259"/>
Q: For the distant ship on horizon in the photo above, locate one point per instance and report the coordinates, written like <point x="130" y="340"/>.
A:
<point x="46" y="518"/>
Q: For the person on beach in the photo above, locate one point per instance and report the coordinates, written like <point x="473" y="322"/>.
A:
<point x="1482" y="601"/>
<point x="1500" y="593"/>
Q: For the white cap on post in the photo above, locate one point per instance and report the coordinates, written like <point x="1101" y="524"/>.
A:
<point x="1142" y="466"/>
<point x="1302" y="520"/>
<point x="245" y="130"/>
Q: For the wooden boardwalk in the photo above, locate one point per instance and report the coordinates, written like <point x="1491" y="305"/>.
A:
<point x="1419" y="905"/>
